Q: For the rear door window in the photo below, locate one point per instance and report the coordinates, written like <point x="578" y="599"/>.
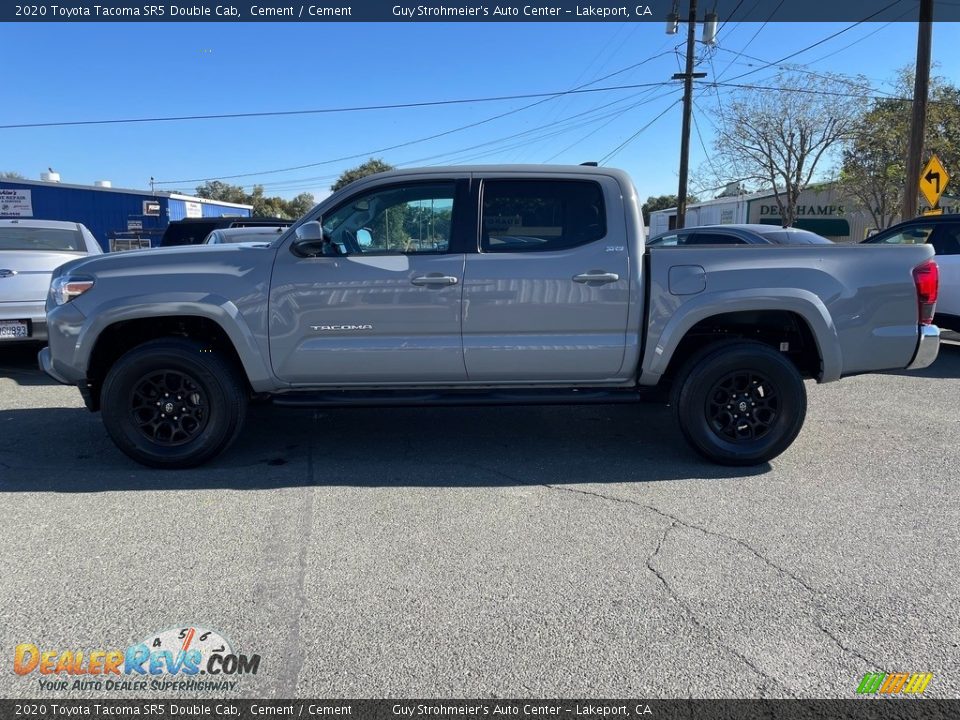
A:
<point x="713" y="238"/>
<point x="541" y="215"/>
<point x="915" y="235"/>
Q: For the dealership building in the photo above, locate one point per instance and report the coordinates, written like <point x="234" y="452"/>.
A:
<point x="823" y="209"/>
<point x="118" y="218"/>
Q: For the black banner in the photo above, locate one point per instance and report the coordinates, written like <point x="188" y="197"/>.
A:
<point x="872" y="11"/>
<point x="860" y="709"/>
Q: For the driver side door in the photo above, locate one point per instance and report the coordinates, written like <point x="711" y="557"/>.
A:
<point x="383" y="306"/>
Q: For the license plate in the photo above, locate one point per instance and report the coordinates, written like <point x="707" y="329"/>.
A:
<point x="10" y="329"/>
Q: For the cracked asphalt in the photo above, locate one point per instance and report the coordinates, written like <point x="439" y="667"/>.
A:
<point x="461" y="552"/>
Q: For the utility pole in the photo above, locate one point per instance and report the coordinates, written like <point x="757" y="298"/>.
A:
<point x="918" y="119"/>
<point x="687" y="78"/>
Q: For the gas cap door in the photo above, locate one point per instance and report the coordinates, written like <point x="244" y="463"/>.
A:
<point x="687" y="279"/>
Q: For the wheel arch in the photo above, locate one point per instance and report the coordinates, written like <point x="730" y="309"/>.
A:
<point x="796" y="317"/>
<point x="117" y="333"/>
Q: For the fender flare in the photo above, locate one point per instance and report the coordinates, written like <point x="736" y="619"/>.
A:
<point x="215" y="308"/>
<point x="804" y="303"/>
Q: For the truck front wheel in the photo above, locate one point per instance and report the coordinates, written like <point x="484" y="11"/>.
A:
<point x="739" y="403"/>
<point x="173" y="403"/>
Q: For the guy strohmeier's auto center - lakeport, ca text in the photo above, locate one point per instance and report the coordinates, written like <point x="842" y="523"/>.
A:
<point x="411" y="12"/>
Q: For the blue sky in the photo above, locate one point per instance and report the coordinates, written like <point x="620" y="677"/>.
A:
<point x="97" y="71"/>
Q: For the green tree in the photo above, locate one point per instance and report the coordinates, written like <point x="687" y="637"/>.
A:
<point x="11" y="175"/>
<point x="662" y="202"/>
<point x="873" y="169"/>
<point x="370" y="167"/>
<point x="262" y="205"/>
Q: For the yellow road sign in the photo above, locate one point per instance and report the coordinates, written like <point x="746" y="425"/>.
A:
<point x="933" y="211"/>
<point x="933" y="180"/>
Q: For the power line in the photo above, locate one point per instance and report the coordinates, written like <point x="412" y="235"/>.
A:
<point x="610" y="155"/>
<point x="615" y="113"/>
<point x="808" y="91"/>
<point x="703" y="145"/>
<point x="851" y="80"/>
<point x="577" y="90"/>
<point x="818" y="42"/>
<point x="324" y="111"/>
<point x="753" y="37"/>
<point x="599" y="128"/>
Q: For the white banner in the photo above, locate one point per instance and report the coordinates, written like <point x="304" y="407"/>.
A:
<point x="194" y="209"/>
<point x="15" y="203"/>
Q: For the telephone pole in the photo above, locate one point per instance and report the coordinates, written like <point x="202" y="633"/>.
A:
<point x="918" y="119"/>
<point x="687" y="78"/>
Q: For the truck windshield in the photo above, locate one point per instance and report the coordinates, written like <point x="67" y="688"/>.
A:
<point x="33" y="238"/>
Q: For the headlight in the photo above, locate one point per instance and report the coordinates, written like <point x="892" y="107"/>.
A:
<point x="63" y="289"/>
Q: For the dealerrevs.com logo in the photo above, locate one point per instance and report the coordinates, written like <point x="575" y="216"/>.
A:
<point x="173" y="659"/>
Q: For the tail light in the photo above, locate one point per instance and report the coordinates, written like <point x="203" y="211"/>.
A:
<point x="926" y="276"/>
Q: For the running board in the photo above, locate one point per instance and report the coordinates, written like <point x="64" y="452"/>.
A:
<point x="432" y="398"/>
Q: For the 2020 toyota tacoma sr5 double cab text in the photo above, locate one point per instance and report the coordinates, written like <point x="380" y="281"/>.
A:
<point x="480" y="285"/>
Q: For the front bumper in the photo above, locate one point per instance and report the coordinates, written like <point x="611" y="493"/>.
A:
<point x="927" y="348"/>
<point x="45" y="360"/>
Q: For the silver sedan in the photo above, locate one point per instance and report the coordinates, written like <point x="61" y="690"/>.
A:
<point x="30" y="250"/>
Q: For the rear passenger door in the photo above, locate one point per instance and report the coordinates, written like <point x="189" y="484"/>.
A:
<point x="547" y="292"/>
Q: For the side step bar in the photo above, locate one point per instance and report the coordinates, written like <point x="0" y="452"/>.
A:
<point x="431" y="398"/>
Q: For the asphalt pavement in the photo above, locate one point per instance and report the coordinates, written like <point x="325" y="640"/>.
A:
<point x="511" y="552"/>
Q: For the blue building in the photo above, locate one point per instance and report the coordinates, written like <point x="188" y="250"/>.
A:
<point x="132" y="217"/>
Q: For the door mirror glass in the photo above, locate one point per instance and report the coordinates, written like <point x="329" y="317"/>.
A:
<point x="364" y="239"/>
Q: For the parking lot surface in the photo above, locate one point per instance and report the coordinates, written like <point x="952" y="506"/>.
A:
<point x="460" y="552"/>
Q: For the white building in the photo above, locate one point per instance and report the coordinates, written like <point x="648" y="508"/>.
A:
<point x="821" y="209"/>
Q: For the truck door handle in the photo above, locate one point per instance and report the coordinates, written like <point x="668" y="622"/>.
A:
<point x="596" y="277"/>
<point x="430" y="280"/>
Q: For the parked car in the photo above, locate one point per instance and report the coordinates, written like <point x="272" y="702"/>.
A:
<point x="29" y="252"/>
<point x="346" y="311"/>
<point x="942" y="232"/>
<point x="737" y="235"/>
<point x="193" y="231"/>
<point x="262" y="236"/>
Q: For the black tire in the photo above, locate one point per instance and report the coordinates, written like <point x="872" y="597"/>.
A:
<point x="207" y="412"/>
<point x="739" y="402"/>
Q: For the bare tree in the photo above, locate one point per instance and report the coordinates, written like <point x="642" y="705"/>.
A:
<point x="776" y="136"/>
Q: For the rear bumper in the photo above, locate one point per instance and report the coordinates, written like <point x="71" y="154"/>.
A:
<point x="33" y="312"/>
<point x="927" y="348"/>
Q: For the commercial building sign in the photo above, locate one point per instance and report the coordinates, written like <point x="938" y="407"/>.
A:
<point x="151" y="208"/>
<point x="773" y="210"/>
<point x="15" y="203"/>
<point x="194" y="209"/>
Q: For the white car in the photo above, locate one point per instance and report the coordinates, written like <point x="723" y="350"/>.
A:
<point x="253" y="236"/>
<point x="943" y="233"/>
<point x="30" y="250"/>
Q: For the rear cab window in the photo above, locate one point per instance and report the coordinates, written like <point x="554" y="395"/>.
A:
<point x="914" y="235"/>
<point x="541" y="215"/>
<point x="35" y="238"/>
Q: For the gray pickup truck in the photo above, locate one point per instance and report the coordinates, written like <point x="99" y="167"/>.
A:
<point x="480" y="285"/>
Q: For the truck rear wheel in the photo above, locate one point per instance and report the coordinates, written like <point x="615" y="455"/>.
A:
<point x="173" y="403"/>
<point x="739" y="403"/>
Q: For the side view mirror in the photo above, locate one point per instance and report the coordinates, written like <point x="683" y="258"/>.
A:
<point x="308" y="240"/>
